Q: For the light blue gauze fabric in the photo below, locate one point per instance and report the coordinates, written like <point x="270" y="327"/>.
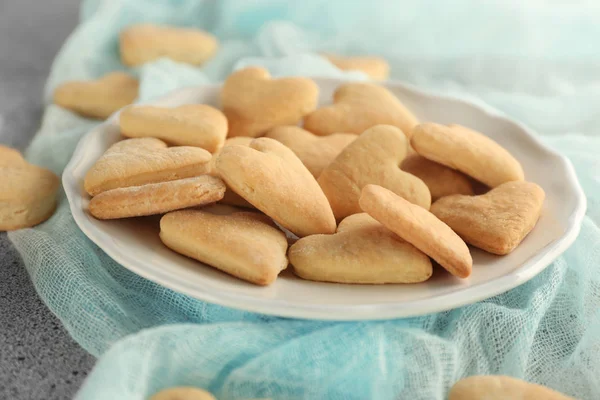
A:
<point x="533" y="61"/>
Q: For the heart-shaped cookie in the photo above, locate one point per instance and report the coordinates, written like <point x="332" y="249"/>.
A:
<point x="243" y="244"/>
<point x="99" y="98"/>
<point x="196" y="125"/>
<point x="362" y="251"/>
<point x="27" y="192"/>
<point x="270" y="177"/>
<point x="135" y="162"/>
<point x="467" y="151"/>
<point x="157" y="198"/>
<point x="315" y="152"/>
<point x="143" y="43"/>
<point x="357" y="107"/>
<point x="419" y="227"/>
<point x="230" y="197"/>
<point x="497" y="387"/>
<point x="372" y="158"/>
<point x="441" y="180"/>
<point x="375" y="67"/>
<point x="255" y="103"/>
<point x="496" y="221"/>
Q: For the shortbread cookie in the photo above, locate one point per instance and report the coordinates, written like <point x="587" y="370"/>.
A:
<point x="362" y="251"/>
<point x="99" y="98"/>
<point x="419" y="227"/>
<point x="232" y="198"/>
<point x="372" y="158"/>
<point x="143" y="43"/>
<point x="315" y="152"/>
<point x="497" y="387"/>
<point x="375" y="67"/>
<point x="496" y="221"/>
<point x="270" y="177"/>
<point x="243" y="244"/>
<point x="467" y="151"/>
<point x="255" y="103"/>
<point x="357" y="107"/>
<point x="135" y="162"/>
<point x="27" y="192"/>
<point x="196" y="125"/>
<point x="183" y="393"/>
<point x="441" y="180"/>
<point x="10" y="157"/>
<point x="157" y="198"/>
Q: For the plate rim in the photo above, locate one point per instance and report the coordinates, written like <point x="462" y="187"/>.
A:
<point x="382" y="311"/>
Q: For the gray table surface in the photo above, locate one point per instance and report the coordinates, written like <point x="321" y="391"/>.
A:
<point x="38" y="358"/>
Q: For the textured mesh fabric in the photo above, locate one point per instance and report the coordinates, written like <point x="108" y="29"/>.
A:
<point x="534" y="63"/>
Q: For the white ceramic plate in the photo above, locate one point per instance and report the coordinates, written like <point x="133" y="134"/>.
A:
<point x="135" y="244"/>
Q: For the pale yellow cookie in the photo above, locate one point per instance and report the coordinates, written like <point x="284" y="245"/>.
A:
<point x="496" y="221"/>
<point x="315" y="152"/>
<point x="10" y="157"/>
<point x="467" y="151"/>
<point x="270" y="177"/>
<point x="357" y="107"/>
<point x="419" y="227"/>
<point x="362" y="251"/>
<point x="243" y="244"/>
<point x="497" y="387"/>
<point x="196" y="125"/>
<point x="372" y="158"/>
<point x="232" y="198"/>
<point x="375" y="67"/>
<point x="441" y="180"/>
<point x="157" y="198"/>
<point x="255" y="103"/>
<point x="183" y="393"/>
<point x="99" y="98"/>
<point x="135" y="162"/>
<point x="143" y="43"/>
<point x="27" y="192"/>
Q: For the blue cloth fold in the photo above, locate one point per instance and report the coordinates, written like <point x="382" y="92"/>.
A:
<point x="535" y="63"/>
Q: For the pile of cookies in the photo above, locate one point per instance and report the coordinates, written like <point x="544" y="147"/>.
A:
<point x="352" y="184"/>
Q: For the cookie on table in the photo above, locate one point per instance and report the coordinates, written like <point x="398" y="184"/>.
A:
<point x="246" y="245"/>
<point x="361" y="251"/>
<point x="419" y="227"/>
<point x="135" y="162"/>
<point x="467" y="151"/>
<point x="98" y="98"/>
<point x="157" y="198"/>
<point x="254" y="102"/>
<point x="272" y="178"/>
<point x="496" y="221"/>
<point x="183" y="393"/>
<point x="357" y="107"/>
<point x="143" y="43"/>
<point x="376" y="68"/>
<point x="27" y="192"/>
<point x="315" y="152"/>
<point x="196" y="125"/>
<point x="373" y="158"/>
